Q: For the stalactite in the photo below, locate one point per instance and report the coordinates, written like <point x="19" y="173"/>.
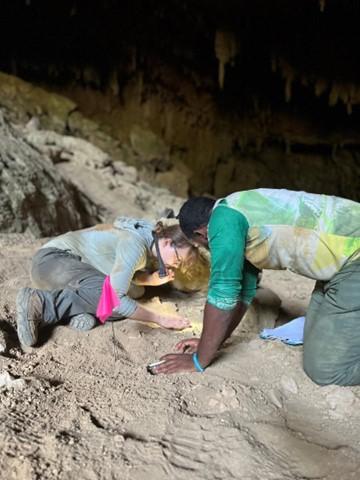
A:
<point x="221" y="74"/>
<point x="320" y="87"/>
<point x="334" y="95"/>
<point x="348" y="94"/>
<point x="226" y="49"/>
<point x="322" y="5"/>
<point x="351" y="98"/>
<point x="114" y="83"/>
<point x="288" y="74"/>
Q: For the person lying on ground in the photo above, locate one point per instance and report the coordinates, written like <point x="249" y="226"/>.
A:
<point x="69" y="272"/>
<point x="317" y="236"/>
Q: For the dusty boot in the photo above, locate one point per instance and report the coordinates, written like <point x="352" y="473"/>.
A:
<point x="29" y="312"/>
<point x="83" y="322"/>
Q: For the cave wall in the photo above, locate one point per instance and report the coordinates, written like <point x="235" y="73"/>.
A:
<point x="212" y="97"/>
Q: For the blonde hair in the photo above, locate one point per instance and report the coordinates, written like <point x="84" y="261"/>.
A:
<point x="196" y="274"/>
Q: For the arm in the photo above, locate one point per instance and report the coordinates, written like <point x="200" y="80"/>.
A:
<point x="237" y="316"/>
<point x="248" y="292"/>
<point x="233" y="279"/>
<point x="191" y="345"/>
<point x="147" y="279"/>
<point x="218" y="326"/>
<point x="166" y="321"/>
<point x="131" y="256"/>
<point x="250" y="279"/>
<point x="224" y="309"/>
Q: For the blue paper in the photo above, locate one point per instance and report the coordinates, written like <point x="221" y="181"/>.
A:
<point x="292" y="333"/>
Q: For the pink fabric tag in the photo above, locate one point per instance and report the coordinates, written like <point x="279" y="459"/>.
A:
<point x="107" y="302"/>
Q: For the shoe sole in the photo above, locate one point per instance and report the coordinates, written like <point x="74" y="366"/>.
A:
<point x="26" y="330"/>
<point x="83" y="322"/>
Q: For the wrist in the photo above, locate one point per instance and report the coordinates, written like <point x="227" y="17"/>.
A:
<point x="141" y="279"/>
<point x="196" y="363"/>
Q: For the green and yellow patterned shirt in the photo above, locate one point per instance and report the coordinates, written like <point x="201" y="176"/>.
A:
<point x="309" y="234"/>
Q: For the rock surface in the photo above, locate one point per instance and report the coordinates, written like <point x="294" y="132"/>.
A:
<point x="33" y="195"/>
<point x="88" y="409"/>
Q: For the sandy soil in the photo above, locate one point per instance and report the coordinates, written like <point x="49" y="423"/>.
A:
<point x="88" y="409"/>
<point x="84" y="407"/>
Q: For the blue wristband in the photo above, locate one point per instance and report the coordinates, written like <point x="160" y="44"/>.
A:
<point x="198" y="367"/>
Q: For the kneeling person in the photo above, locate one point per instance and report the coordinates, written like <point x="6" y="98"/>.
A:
<point x="69" y="273"/>
<point x="317" y="236"/>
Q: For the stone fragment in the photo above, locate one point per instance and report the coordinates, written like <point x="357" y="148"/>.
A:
<point x="8" y="381"/>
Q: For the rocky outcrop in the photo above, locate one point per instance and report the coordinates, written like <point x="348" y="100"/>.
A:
<point x="187" y="144"/>
<point x="33" y="195"/>
<point x="22" y="101"/>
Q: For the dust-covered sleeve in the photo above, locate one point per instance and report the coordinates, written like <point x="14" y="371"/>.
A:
<point x="249" y="282"/>
<point x="227" y="234"/>
<point x="130" y="257"/>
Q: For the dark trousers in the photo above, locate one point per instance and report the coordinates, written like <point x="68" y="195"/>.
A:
<point x="68" y="285"/>
<point x="332" y="329"/>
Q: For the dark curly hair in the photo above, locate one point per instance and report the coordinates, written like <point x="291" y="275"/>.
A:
<point x="195" y="213"/>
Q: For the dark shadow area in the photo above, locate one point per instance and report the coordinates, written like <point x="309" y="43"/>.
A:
<point x="276" y="73"/>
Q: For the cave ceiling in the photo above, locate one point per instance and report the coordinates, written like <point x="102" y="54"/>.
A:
<point x="309" y="45"/>
<point x="296" y="62"/>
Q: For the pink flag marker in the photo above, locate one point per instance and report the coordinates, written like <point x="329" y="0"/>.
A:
<point x="107" y="302"/>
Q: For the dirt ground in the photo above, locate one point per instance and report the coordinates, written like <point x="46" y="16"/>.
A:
<point x="82" y="406"/>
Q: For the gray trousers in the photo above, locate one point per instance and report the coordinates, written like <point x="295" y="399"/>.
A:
<point x="332" y="329"/>
<point x="68" y="285"/>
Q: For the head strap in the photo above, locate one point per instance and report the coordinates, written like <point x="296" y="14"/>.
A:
<point x="162" y="269"/>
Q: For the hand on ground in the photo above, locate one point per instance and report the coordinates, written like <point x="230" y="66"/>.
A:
<point x="175" y="363"/>
<point x="174" y="322"/>
<point x="188" y="345"/>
